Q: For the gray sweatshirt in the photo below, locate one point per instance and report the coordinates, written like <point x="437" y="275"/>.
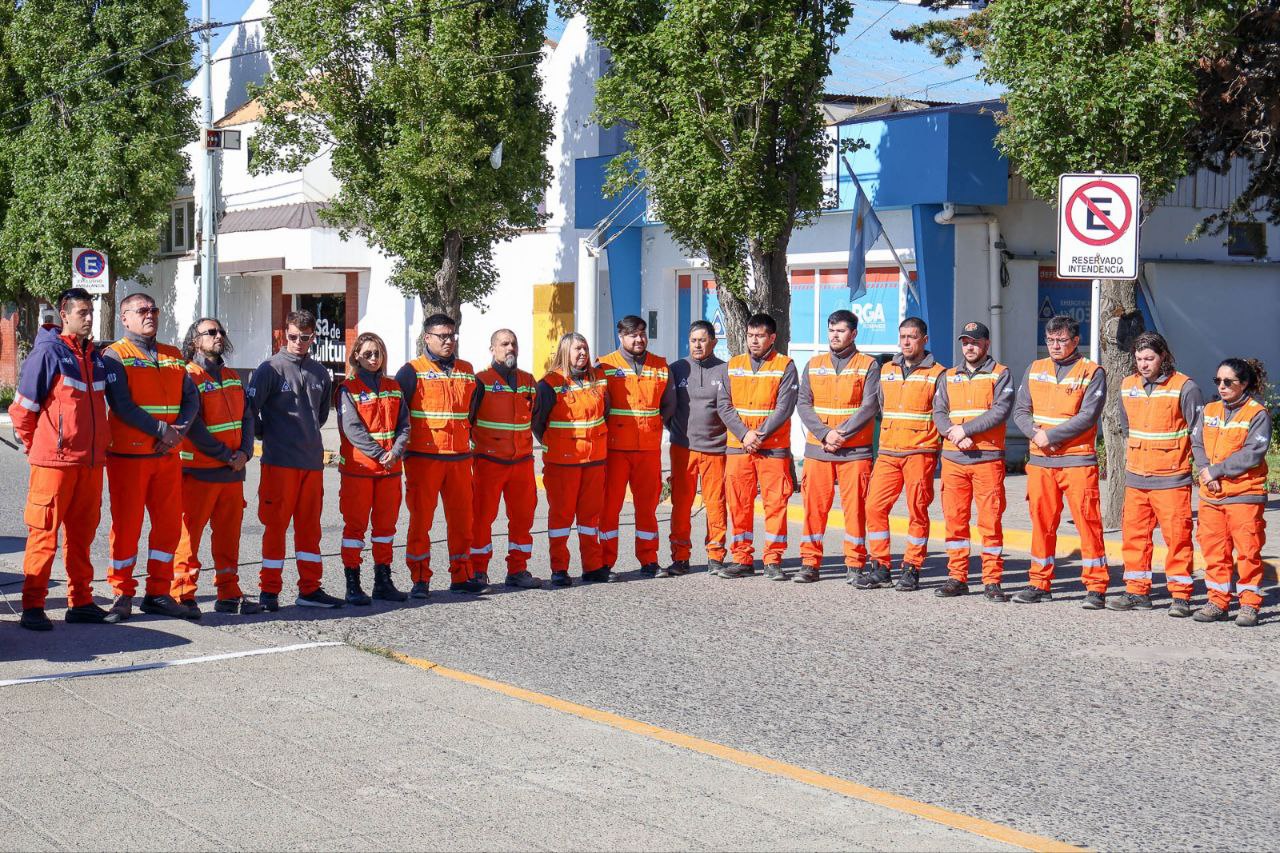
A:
<point x="1092" y="401"/>
<point x="357" y="432"/>
<point x="1001" y="406"/>
<point x="1191" y="402"/>
<point x="867" y="411"/>
<point x="696" y="423"/>
<point x="290" y="398"/>
<point x="207" y="444"/>
<point x="1256" y="442"/>
<point x="780" y="418"/>
<point x="123" y="406"/>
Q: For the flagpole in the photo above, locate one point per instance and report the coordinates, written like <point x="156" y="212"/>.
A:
<point x="884" y="232"/>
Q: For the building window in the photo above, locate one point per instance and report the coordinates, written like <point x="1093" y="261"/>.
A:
<point x="1247" y="239"/>
<point x="179" y="234"/>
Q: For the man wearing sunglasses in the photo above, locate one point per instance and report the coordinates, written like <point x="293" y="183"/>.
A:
<point x="213" y="455"/>
<point x="290" y="395"/>
<point x="153" y="403"/>
<point x="439" y="387"/>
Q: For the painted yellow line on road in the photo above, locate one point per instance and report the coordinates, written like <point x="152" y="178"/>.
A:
<point x="844" y="787"/>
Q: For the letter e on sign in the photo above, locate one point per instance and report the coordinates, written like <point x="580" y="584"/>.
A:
<point x="1098" y="226"/>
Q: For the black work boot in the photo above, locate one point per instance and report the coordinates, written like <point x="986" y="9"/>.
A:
<point x="715" y="567"/>
<point x="421" y="589"/>
<point x="992" y="592"/>
<point x="874" y="576"/>
<point x="384" y="589"/>
<point x="738" y="570"/>
<point x="165" y="605"/>
<point x="34" y="619"/>
<point x="807" y="574"/>
<point x="86" y="614"/>
<point x="909" y="579"/>
<point x="951" y="588"/>
<point x="649" y="570"/>
<point x="355" y="595"/>
<point x="1094" y="600"/>
<point x="774" y="572"/>
<point x="470" y="586"/>
<point x="269" y="601"/>
<point x="1032" y="595"/>
<point x="1180" y="608"/>
<point x="1129" y="601"/>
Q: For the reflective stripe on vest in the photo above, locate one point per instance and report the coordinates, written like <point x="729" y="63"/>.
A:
<point x="379" y="411"/>
<point x="576" y="432"/>
<point x="838" y="396"/>
<point x="907" y="414"/>
<point x="1225" y="433"/>
<point x="1159" y="443"/>
<point x="972" y="396"/>
<point x="440" y="409"/>
<point x="155" y="386"/>
<point x="502" y="421"/>
<point x="1055" y="402"/>
<point x="221" y="410"/>
<point x="635" y="420"/>
<point x="754" y="394"/>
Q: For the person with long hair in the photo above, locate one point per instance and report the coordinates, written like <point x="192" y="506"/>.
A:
<point x="569" y="421"/>
<point x="1159" y="408"/>
<point x="373" y="431"/>
<point x="1230" y="449"/>
<point x="214" y="454"/>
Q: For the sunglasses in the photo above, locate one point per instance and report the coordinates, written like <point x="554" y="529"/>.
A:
<point x="1219" y="380"/>
<point x="213" y="333"/>
<point x="293" y="338"/>
<point x="151" y="309"/>
<point x="448" y="336"/>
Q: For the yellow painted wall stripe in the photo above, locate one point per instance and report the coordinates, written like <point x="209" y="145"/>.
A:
<point x="885" y="799"/>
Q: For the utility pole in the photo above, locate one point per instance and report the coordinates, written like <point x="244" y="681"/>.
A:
<point x="208" y="217"/>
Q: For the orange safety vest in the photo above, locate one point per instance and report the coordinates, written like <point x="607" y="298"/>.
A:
<point x="838" y="396"/>
<point x="379" y="411"/>
<point x="441" y="407"/>
<point x="502" y="420"/>
<point x="1224" y="433"/>
<point x="970" y="397"/>
<point x="635" y="422"/>
<point x="1159" y="436"/>
<point x="576" y="432"/>
<point x="908" y="408"/>
<point x="156" y="386"/>
<point x="221" y="409"/>
<point x="754" y="394"/>
<point x="1053" y="403"/>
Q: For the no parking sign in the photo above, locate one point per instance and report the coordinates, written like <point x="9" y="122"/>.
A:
<point x="1098" y="226"/>
<point x="89" y="270"/>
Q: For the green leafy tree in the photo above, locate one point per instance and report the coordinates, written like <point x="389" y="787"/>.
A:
<point x="720" y="101"/>
<point x="412" y="98"/>
<point x="94" y="115"/>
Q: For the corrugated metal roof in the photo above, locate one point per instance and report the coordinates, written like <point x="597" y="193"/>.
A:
<point x="869" y="62"/>
<point x="303" y="215"/>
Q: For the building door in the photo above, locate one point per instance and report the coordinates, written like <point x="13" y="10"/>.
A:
<point x="330" y="346"/>
<point x="553" y="317"/>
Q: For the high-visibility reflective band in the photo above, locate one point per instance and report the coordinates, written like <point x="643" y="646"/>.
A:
<point x="574" y="386"/>
<point x="1179" y="579"/>
<point x="439" y="376"/>
<point x="524" y="549"/>
<point x="743" y="537"/>
<point x="453" y="558"/>
<point x="352" y="543"/>
<point x="908" y="416"/>
<point x="1042" y="561"/>
<point x="186" y="456"/>
<point x="1090" y="562"/>
<point x="967" y="413"/>
<point x="873" y="535"/>
<point x="773" y="537"/>
<point x="646" y="535"/>
<point x="223" y="427"/>
<point x="635" y="413"/>
<point x="606" y="535"/>
<point x="444" y="416"/>
<point x="763" y="374"/>
<point x="1137" y="576"/>
<point x="1045" y="419"/>
<point x="646" y="372"/>
<point x="994" y="551"/>
<point x="1218" y="587"/>
<point x="829" y="371"/>
<point x="160" y="410"/>
<point x="373" y="395"/>
<point x="811" y="537"/>
<point x="487" y="549"/>
<point x="962" y="377"/>
<point x="125" y="563"/>
<point x="757" y="413"/>
<point x="953" y="544"/>
<point x="381" y="539"/>
<point x="918" y="540"/>
<point x="268" y="563"/>
<point x="159" y="556"/>
<point x="307" y="556"/>
<point x="164" y="361"/>
<point x="502" y="426"/>
<point x="74" y="383"/>
<point x="229" y="571"/>
<point x="1159" y="436"/>
<point x="1138" y="392"/>
<point x="1221" y="424"/>
<point x="575" y="424"/>
<point x="417" y="557"/>
<point x="1067" y="382"/>
<point x="558" y="532"/>
<point x="848" y="413"/>
<point x="1246" y="587"/>
<point x="383" y="436"/>
<point x="855" y="540"/>
<point x="506" y="389"/>
<point x="587" y="531"/>
<point x="26" y="404"/>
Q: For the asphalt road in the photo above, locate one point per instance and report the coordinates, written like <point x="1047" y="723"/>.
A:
<point x="1117" y="731"/>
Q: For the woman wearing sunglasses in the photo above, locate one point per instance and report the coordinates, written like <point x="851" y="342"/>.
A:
<point x="1230" y="449"/>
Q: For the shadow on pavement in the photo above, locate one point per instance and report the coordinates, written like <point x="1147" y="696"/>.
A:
<point x="84" y="643"/>
<point x="13" y="544"/>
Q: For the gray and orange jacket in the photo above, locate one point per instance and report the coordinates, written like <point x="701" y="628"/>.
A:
<point x="60" y="411"/>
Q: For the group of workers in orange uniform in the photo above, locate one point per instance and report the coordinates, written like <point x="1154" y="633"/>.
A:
<point x="174" y="430"/>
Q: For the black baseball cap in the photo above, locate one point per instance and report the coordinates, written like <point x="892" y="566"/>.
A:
<point x="977" y="331"/>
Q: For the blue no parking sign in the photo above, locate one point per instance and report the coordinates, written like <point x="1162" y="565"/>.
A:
<point x="90" y="270"/>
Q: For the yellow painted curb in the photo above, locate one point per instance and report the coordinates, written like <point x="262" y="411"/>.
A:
<point x="853" y="790"/>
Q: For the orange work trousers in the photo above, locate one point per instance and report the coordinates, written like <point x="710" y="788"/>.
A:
<point x="516" y="486"/>
<point x="642" y="471"/>
<point x="1143" y="510"/>
<point x="368" y="502"/>
<point x="889" y="478"/>
<point x="745" y="475"/>
<point x="290" y="495"/>
<point x="138" y="484"/>
<point x="427" y="480"/>
<point x="1046" y="488"/>
<point x="818" y="484"/>
<point x="1228" y="527"/>
<point x="221" y="507"/>
<point x="689" y="468"/>
<point x="67" y="498"/>
<point x="962" y="486"/>
<point x="574" y="492"/>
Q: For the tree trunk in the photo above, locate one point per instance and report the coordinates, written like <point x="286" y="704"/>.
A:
<point x="442" y="298"/>
<point x="106" y="319"/>
<point x="1121" y="322"/>
<point x="770" y="287"/>
<point x="735" y="313"/>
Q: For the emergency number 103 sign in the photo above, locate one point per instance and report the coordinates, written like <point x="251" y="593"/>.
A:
<point x="1098" y="225"/>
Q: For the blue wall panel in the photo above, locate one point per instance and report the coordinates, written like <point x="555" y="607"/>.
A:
<point x="936" y="271"/>
<point x="624" y="273"/>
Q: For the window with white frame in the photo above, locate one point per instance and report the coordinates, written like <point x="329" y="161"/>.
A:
<point x="179" y="234"/>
